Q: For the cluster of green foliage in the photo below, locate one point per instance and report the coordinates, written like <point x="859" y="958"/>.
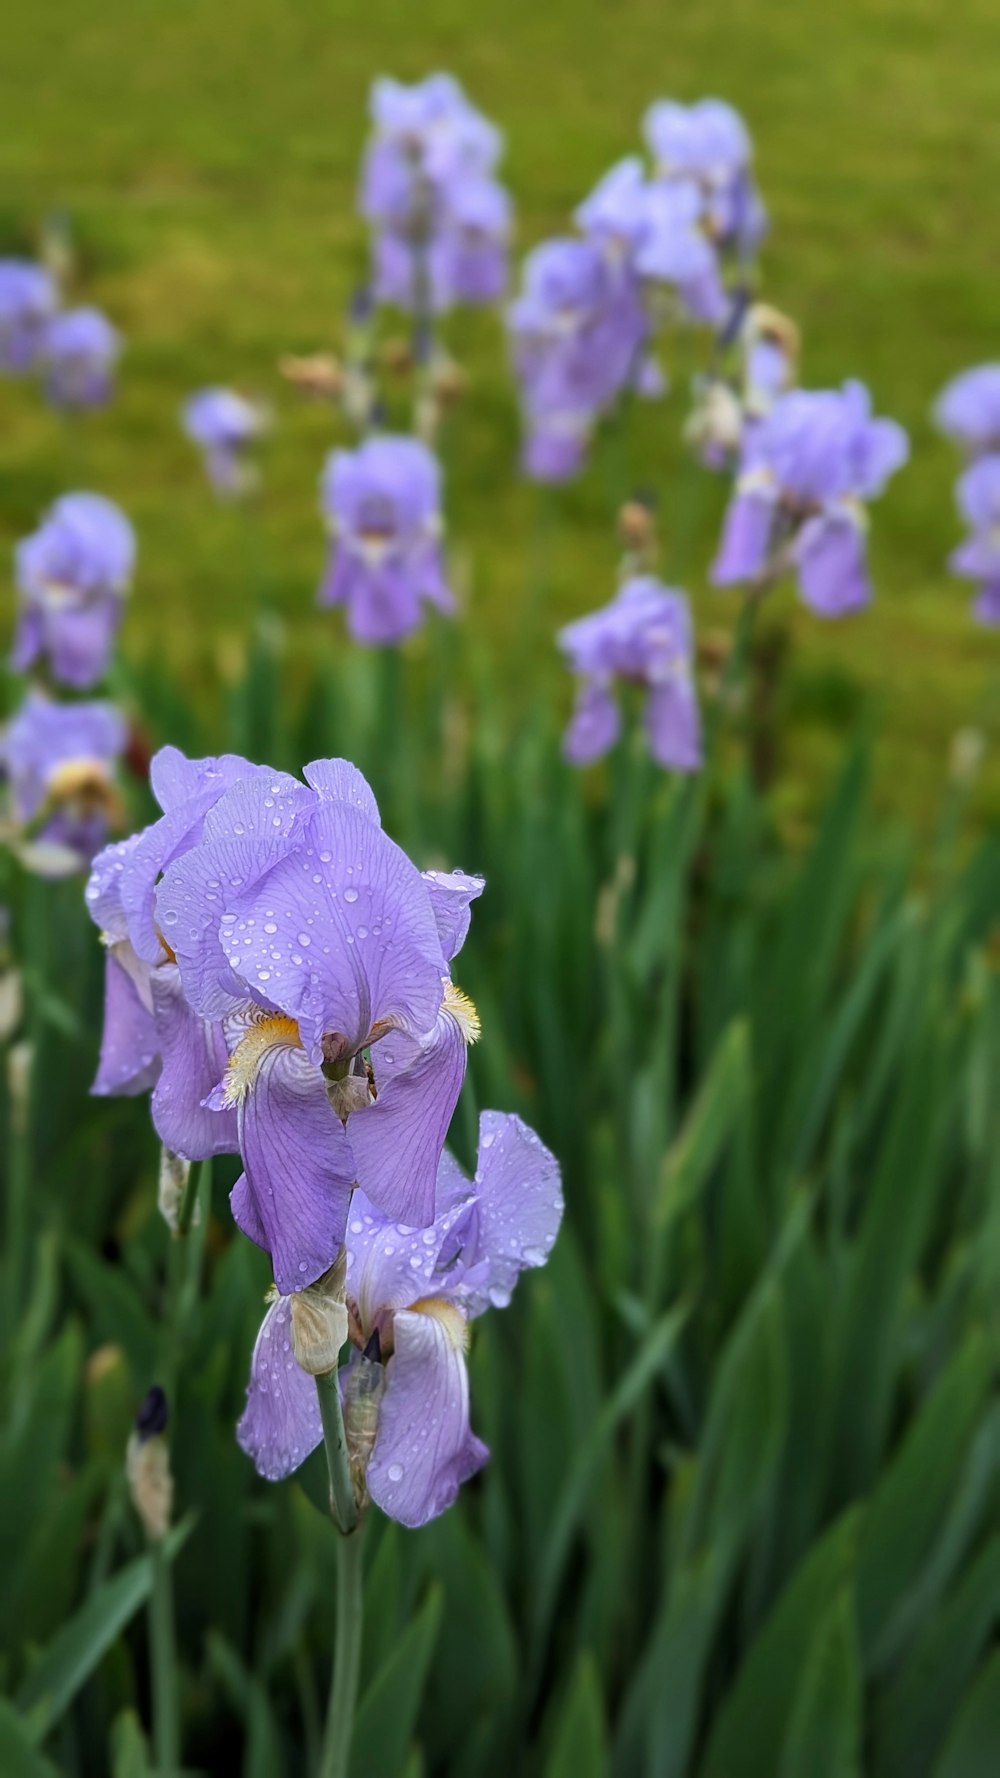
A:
<point x="741" y="1514"/>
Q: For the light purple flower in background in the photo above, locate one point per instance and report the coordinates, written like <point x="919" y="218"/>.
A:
<point x="769" y="344"/>
<point x="73" y="574"/>
<point x="59" y="760"/>
<point x="978" y="558"/>
<point x="642" y="638"/>
<point x="411" y="1294"/>
<point x="326" y="955"/>
<point x="578" y="333"/>
<point x="382" y="503"/>
<point x="968" y="410"/>
<point x="80" y="352"/>
<point x="655" y="230"/>
<point x="707" y="146"/>
<point x="225" y="426"/>
<point x="28" y="298"/>
<point x="807" y="468"/>
<point x="441" y="221"/>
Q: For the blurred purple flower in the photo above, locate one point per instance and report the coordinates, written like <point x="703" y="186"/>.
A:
<point x="300" y="925"/>
<point x="28" y="298"/>
<point x="707" y="147"/>
<point x="225" y="426"/>
<point x="382" y="503"/>
<point x="80" y="351"/>
<point x="73" y="574"/>
<point x="578" y="333"/>
<point x="642" y="638"/>
<point x="441" y="221"/>
<point x="411" y="1294"/>
<point x="978" y="558"/>
<point x="656" y="231"/>
<point x="968" y="410"/>
<point x="58" y="760"/>
<point x="807" y="468"/>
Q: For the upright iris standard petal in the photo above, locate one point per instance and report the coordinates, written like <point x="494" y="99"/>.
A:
<point x="281" y="1424"/>
<point x="299" y="1165"/>
<point x="451" y="894"/>
<point x="968" y="410"/>
<point x="425" y="1448"/>
<point x="340" y="934"/>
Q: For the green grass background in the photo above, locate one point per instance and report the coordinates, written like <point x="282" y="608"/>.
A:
<point x="206" y="155"/>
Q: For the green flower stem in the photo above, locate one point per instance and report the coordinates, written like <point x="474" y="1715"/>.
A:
<point x="347" y="1656"/>
<point x="350" y="1601"/>
<point x="342" y="1501"/>
<point x="163" y="1653"/>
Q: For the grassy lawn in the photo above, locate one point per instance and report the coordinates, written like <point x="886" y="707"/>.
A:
<point x="206" y="155"/>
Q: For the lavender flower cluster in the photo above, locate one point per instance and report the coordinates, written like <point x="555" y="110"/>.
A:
<point x="441" y="221"/>
<point x="75" y="350"/>
<point x="58" y="760"/>
<point x="653" y="245"/>
<point x="280" y="975"/>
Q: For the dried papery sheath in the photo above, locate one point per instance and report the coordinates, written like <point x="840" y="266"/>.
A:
<point x="363" y="1390"/>
<point x="147" y="1466"/>
<point x="174" y="1174"/>
<point x="319" y="1320"/>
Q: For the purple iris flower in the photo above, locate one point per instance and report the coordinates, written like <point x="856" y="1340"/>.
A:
<point x="464" y="259"/>
<point x="707" y="146"/>
<point x="968" y="410"/>
<point x="28" y="298"/>
<point x="80" y="351"/>
<point x="59" y="762"/>
<point x="225" y="426"/>
<point x="411" y="1294"/>
<point x="152" y="1038"/>
<point x="579" y="332"/>
<point x="807" y="468"/>
<point x="642" y="638"/>
<point x="325" y="954"/>
<point x="978" y="558"/>
<point x="73" y="574"/>
<point x="656" y="230"/>
<point x="442" y="222"/>
<point x="383" y="504"/>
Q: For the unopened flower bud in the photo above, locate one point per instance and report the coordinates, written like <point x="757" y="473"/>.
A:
<point x="147" y="1466"/>
<point x="365" y="1383"/>
<point x="968" y="749"/>
<point x="397" y="355"/>
<point x="174" y="1174"/>
<point x="319" y="375"/>
<point x="11" y="1001"/>
<point x="20" y="1059"/>
<point x="319" y="1320"/>
<point x="636" y="525"/>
